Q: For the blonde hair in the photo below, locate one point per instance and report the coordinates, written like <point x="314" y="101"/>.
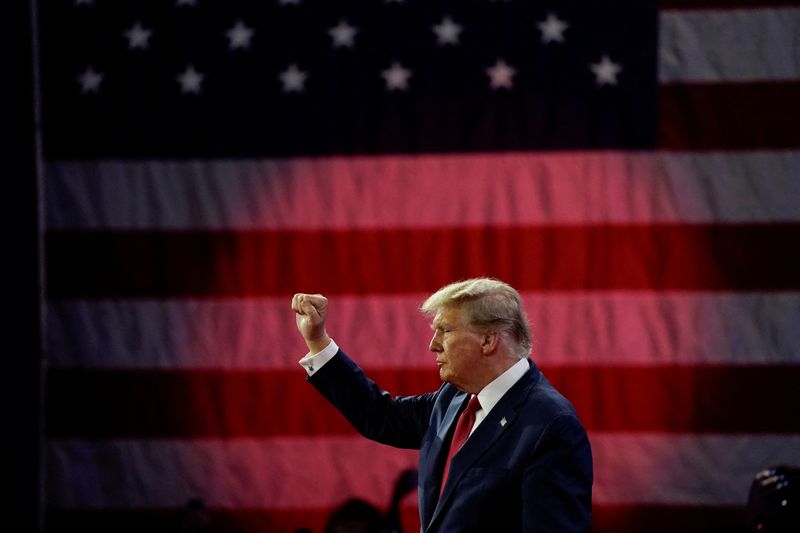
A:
<point x="490" y="305"/>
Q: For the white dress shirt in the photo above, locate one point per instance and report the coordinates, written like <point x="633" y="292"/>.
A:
<point x="314" y="361"/>
<point x="494" y="391"/>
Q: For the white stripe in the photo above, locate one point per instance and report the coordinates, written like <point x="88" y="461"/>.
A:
<point x="425" y="191"/>
<point x="237" y="474"/>
<point x="684" y="469"/>
<point x="320" y="472"/>
<point x="730" y="45"/>
<point x="388" y="331"/>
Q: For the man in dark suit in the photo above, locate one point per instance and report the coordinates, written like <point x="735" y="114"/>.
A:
<point x="500" y="449"/>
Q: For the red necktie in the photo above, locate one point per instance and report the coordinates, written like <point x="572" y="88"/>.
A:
<point x="463" y="429"/>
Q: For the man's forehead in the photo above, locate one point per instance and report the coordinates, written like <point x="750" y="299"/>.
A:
<point x="448" y="315"/>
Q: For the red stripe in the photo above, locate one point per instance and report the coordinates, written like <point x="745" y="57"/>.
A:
<point x="729" y="116"/>
<point x="544" y="258"/>
<point x="124" y="404"/>
<point x="611" y="519"/>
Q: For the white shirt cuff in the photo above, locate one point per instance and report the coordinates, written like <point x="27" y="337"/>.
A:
<point x="313" y="362"/>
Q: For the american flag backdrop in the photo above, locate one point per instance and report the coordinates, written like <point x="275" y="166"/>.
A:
<point x="631" y="166"/>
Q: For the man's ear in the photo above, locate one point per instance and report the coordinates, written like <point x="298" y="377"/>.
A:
<point x="490" y="342"/>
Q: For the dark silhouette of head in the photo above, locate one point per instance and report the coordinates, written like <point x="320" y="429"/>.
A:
<point x="355" y="516"/>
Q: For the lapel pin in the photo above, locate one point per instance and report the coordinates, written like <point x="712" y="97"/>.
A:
<point x="503" y="422"/>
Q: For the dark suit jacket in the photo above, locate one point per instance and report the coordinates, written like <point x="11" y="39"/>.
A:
<point x="527" y="466"/>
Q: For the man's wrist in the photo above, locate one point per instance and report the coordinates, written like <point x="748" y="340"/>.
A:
<point x="317" y="345"/>
<point x="314" y="361"/>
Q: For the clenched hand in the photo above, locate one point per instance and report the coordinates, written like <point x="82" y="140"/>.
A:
<point x="310" y="313"/>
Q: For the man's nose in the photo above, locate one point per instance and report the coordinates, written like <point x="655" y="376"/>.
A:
<point x="435" y="345"/>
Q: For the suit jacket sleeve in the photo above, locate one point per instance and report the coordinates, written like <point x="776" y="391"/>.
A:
<point x="557" y="480"/>
<point x="396" y="421"/>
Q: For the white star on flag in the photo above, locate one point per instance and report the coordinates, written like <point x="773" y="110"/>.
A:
<point x="501" y="75"/>
<point x="552" y="29"/>
<point x="447" y="31"/>
<point x="190" y="80"/>
<point x="606" y="71"/>
<point x="396" y="77"/>
<point x="343" y="34"/>
<point x="90" y="81"/>
<point x="239" y="36"/>
<point x="293" y="79"/>
<point x="138" y="37"/>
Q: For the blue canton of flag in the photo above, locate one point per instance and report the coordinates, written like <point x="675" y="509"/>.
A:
<point x="151" y="78"/>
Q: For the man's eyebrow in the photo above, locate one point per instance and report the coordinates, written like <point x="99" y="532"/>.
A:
<point x="439" y="324"/>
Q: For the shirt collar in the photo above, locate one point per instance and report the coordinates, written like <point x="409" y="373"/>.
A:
<point x="491" y="393"/>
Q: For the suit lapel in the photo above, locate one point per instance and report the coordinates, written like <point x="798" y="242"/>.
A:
<point x="438" y="454"/>
<point x="487" y="432"/>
